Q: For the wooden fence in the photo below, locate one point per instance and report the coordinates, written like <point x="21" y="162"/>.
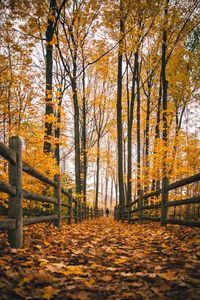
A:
<point x="76" y="210"/>
<point x="137" y="210"/>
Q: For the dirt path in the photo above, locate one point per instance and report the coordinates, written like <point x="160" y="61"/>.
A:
<point x="102" y="259"/>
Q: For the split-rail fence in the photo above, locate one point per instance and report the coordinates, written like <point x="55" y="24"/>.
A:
<point x="138" y="209"/>
<point x="76" y="210"/>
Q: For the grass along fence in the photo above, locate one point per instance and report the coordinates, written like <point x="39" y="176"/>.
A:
<point x="137" y="210"/>
<point x="76" y="210"/>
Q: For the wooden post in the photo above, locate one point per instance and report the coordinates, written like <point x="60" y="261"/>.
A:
<point x="85" y="208"/>
<point x="164" y="201"/>
<point x="57" y="196"/>
<point x="88" y="212"/>
<point x="83" y="212"/>
<point x="91" y="213"/>
<point x="129" y="213"/>
<point x="70" y="201"/>
<point x="79" y="210"/>
<point x="140" y="206"/>
<point x="76" y="211"/>
<point x="15" y="204"/>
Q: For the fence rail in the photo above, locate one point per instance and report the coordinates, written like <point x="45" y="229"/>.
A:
<point x="138" y="207"/>
<point x="76" y="210"/>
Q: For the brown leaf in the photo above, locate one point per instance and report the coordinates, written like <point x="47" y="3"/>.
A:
<point x="106" y="278"/>
<point x="49" y="292"/>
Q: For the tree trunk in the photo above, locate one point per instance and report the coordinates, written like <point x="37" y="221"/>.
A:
<point x="97" y="173"/>
<point x="165" y="129"/>
<point x="49" y="78"/>
<point x="129" y="138"/>
<point x="147" y="138"/>
<point x="164" y="88"/>
<point x="76" y="137"/>
<point x="106" y="191"/>
<point x="156" y="182"/>
<point x="138" y="130"/>
<point x="57" y="133"/>
<point x="84" y="143"/>
<point x="111" y="193"/>
<point x="119" y="117"/>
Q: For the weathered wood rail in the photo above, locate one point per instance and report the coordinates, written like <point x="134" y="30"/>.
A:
<point x="137" y="210"/>
<point x="76" y="210"/>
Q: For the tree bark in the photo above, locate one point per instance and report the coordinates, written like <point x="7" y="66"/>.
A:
<point x="138" y="130"/>
<point x="84" y="142"/>
<point x="129" y="138"/>
<point x="147" y="137"/>
<point x="97" y="173"/>
<point x="119" y="116"/>
<point x="76" y="135"/>
<point x="49" y="78"/>
<point x="165" y="129"/>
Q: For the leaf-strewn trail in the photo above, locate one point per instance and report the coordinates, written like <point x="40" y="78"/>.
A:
<point x="102" y="259"/>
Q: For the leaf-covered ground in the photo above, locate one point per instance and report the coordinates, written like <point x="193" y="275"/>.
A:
<point x="102" y="259"/>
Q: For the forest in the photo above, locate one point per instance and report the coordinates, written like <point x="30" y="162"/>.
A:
<point x="99" y="109"/>
<point x="106" y="92"/>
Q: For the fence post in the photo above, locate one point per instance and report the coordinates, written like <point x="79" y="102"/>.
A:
<point x="164" y="201"/>
<point x="57" y="196"/>
<point x="15" y="207"/>
<point x="88" y="212"/>
<point x="76" y="211"/>
<point x="70" y="200"/>
<point x="116" y="213"/>
<point x="83" y="211"/>
<point x="79" y="210"/>
<point x="129" y="213"/>
<point x="140" y="205"/>
<point x="91" y="213"/>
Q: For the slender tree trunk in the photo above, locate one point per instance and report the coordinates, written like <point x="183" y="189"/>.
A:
<point x="76" y="137"/>
<point x="106" y="191"/>
<point x="102" y="191"/>
<point x="165" y="88"/>
<point x="138" y="130"/>
<point x="129" y="138"/>
<point x="125" y="163"/>
<point x="164" y="106"/>
<point x="9" y="93"/>
<point x="83" y="142"/>
<point x="111" y="193"/>
<point x="119" y="117"/>
<point x="156" y="182"/>
<point x="49" y="78"/>
<point x="107" y="171"/>
<point x="147" y="137"/>
<point x="97" y="173"/>
<point x="57" y="133"/>
<point x="116" y="193"/>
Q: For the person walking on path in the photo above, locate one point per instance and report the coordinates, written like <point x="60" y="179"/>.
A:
<point x="107" y="212"/>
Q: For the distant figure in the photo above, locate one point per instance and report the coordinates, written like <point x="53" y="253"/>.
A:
<point x="107" y="212"/>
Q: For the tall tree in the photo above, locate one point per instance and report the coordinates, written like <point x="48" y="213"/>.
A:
<point x="49" y="77"/>
<point x="119" y="108"/>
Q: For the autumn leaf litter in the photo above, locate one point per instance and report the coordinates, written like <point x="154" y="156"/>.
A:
<point x="102" y="259"/>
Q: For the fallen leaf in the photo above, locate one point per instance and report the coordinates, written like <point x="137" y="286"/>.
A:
<point x="49" y="292"/>
<point x="106" y="278"/>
